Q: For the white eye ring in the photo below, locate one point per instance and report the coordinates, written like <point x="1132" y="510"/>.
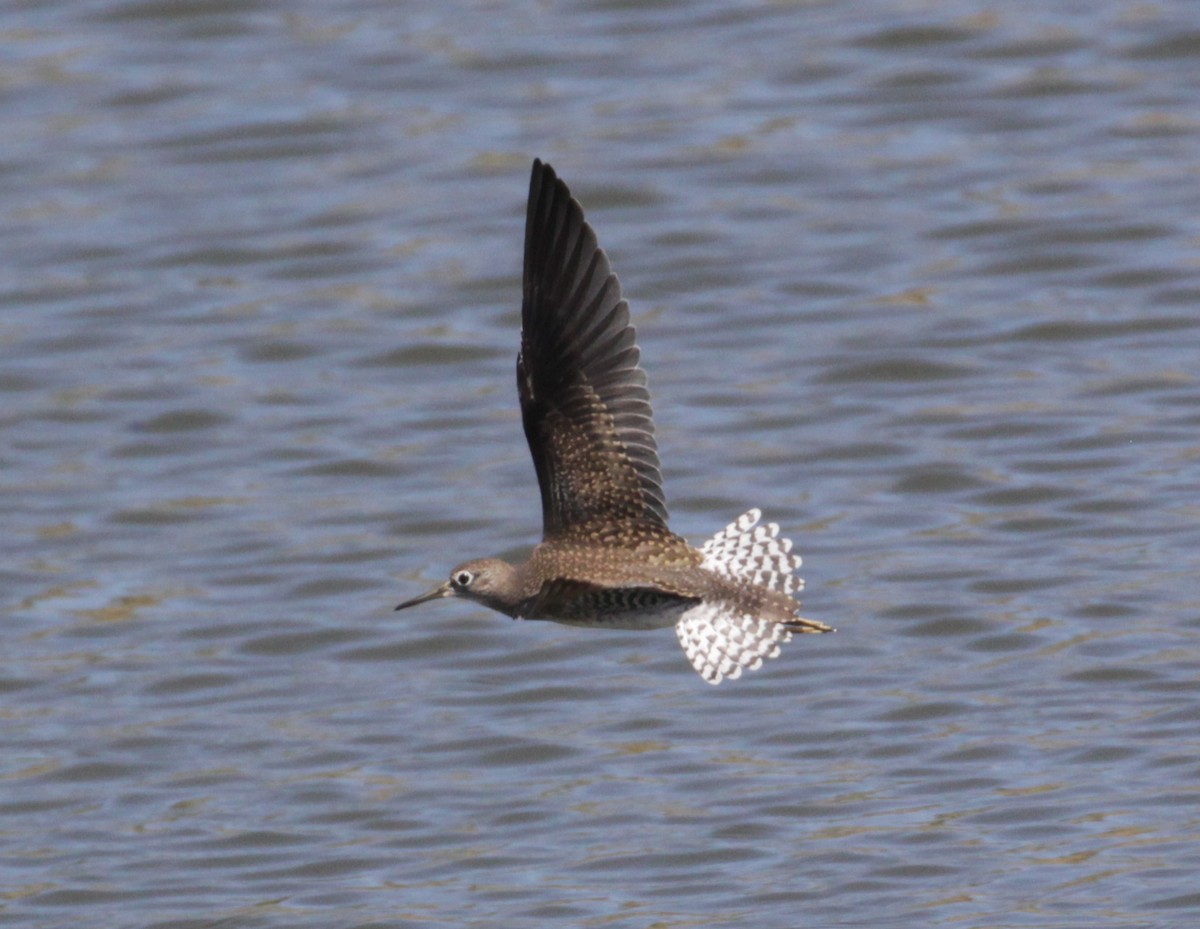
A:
<point x="463" y="579"/>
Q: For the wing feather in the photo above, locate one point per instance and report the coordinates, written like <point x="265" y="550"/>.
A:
<point x="584" y="400"/>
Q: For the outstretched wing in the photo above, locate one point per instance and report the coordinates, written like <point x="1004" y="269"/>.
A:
<point x="584" y="401"/>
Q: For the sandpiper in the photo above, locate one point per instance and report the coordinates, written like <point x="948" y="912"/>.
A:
<point x="607" y="558"/>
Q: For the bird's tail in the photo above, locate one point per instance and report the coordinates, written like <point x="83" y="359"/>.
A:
<point x="722" y="638"/>
<point x="746" y="551"/>
<point x="720" y="641"/>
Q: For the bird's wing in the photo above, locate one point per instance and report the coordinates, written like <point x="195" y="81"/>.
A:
<point x="584" y="400"/>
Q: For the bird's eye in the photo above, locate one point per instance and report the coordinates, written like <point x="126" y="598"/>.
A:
<point x="463" y="579"/>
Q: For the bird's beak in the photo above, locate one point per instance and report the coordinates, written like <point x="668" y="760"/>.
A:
<point x="443" y="590"/>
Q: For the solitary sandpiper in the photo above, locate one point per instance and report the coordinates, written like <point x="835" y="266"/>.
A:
<point x="607" y="558"/>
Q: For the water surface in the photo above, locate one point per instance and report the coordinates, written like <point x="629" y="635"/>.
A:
<point x="918" y="280"/>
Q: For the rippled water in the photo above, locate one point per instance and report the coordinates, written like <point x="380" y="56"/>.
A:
<point x="920" y="280"/>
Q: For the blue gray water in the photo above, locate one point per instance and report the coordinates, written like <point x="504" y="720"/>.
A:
<point x="921" y="280"/>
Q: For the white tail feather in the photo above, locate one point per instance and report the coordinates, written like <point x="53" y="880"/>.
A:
<point x="720" y="640"/>
<point x="745" y="551"/>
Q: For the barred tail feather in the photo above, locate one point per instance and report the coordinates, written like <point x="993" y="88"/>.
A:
<point x="746" y="551"/>
<point x="720" y="642"/>
<point x="721" y="639"/>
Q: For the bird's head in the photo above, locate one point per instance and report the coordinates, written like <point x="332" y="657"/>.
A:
<point x="489" y="581"/>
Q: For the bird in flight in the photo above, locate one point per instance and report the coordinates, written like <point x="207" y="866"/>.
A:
<point x="607" y="558"/>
